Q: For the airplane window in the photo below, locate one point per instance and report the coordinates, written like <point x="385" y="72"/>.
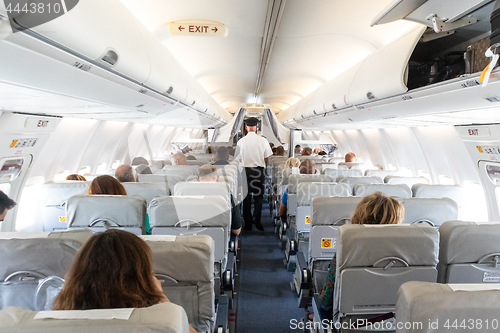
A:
<point x="475" y="202"/>
<point x="101" y="168"/>
<point x="116" y="164"/>
<point x="391" y="167"/>
<point x="84" y="170"/>
<point x="61" y="175"/>
<point x="406" y="172"/>
<point x="11" y="169"/>
<point x="5" y="188"/>
<point x="493" y="172"/>
<point x="446" y="180"/>
<point x="425" y="174"/>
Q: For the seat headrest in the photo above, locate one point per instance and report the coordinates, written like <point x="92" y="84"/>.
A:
<point x="335" y="173"/>
<point x="123" y="210"/>
<point x="391" y="190"/>
<point x="410" y="181"/>
<point x="170" y="180"/>
<point x="333" y="210"/>
<point x="203" y="188"/>
<point x="208" y="211"/>
<point x="294" y="180"/>
<point x="147" y="190"/>
<point x="436" y="211"/>
<point x="453" y="192"/>
<point x="360" y="180"/>
<point x="307" y="191"/>
<point x="364" y="245"/>
<point x="47" y="256"/>
<point x="382" y="173"/>
<point x="163" y="317"/>
<point x="468" y="242"/>
<point x="54" y="194"/>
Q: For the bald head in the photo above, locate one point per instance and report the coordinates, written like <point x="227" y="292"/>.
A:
<point x="307" y="167"/>
<point x="126" y="174"/>
<point x="350" y="157"/>
<point x="179" y="159"/>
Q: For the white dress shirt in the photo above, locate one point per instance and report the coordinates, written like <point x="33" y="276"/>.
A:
<point x="252" y="149"/>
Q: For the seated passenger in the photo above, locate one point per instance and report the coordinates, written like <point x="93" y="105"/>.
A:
<point x="222" y="156"/>
<point x="376" y="208"/>
<point x="307" y="167"/>
<point x="298" y="150"/>
<point x="179" y="159"/>
<point x="6" y="204"/>
<point x="280" y="151"/>
<point x="316" y="151"/>
<point x="143" y="169"/>
<point x="191" y="158"/>
<point x="322" y="153"/>
<point x="350" y="158"/>
<point x="231" y="151"/>
<point x="292" y="162"/>
<point x="307" y="151"/>
<point x="106" y="185"/>
<point x="139" y="160"/>
<point x="112" y="270"/>
<point x="126" y="174"/>
<point x="208" y="173"/>
<point x="76" y="177"/>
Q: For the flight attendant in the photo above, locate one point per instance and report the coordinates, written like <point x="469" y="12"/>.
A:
<point x="254" y="151"/>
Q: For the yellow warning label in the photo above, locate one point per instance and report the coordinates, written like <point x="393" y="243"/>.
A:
<point x="480" y="149"/>
<point x="13" y="144"/>
<point x="308" y="220"/>
<point x="326" y="243"/>
<point x="62" y="219"/>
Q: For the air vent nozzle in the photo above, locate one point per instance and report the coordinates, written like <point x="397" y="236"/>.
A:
<point x="169" y="91"/>
<point x="110" y="57"/>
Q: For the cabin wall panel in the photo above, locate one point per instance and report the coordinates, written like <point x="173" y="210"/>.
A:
<point x="407" y="149"/>
<point x="380" y="150"/>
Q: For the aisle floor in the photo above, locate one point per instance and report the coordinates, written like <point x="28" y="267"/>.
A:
<point x="265" y="302"/>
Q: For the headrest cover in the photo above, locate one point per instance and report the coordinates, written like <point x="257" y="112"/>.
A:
<point x="169" y="180"/>
<point x="307" y="191"/>
<point x="361" y="180"/>
<point x="161" y="318"/>
<point x="208" y="211"/>
<point x="436" y="211"/>
<point x="56" y="193"/>
<point x="362" y="246"/>
<point x="47" y="256"/>
<point x="467" y="242"/>
<point x="147" y="190"/>
<point x="453" y="192"/>
<point x="391" y="190"/>
<point x="124" y="211"/>
<point x="203" y="188"/>
<point x="410" y="181"/>
<point x="333" y="210"/>
<point x="294" y="180"/>
<point x="335" y="173"/>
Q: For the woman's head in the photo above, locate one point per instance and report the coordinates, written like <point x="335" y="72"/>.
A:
<point x="106" y="184"/>
<point x="76" y="177"/>
<point x="292" y="162"/>
<point x="377" y="208"/>
<point x="113" y="269"/>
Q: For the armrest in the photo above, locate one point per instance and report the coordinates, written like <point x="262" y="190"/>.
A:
<point x="228" y="275"/>
<point x="222" y="315"/>
<point x="232" y="243"/>
<point x="305" y="275"/>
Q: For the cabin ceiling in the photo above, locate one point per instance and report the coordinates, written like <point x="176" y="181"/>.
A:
<point x="316" y="41"/>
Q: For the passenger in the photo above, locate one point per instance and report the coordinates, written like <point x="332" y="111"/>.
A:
<point x="143" y="169"/>
<point x="112" y="270"/>
<point x="307" y="167"/>
<point x="298" y="150"/>
<point x="307" y="151"/>
<point x="207" y="173"/>
<point x="6" y="204"/>
<point x="316" y="151"/>
<point x="222" y="156"/>
<point x="126" y="174"/>
<point x="76" y="177"/>
<point x="191" y="158"/>
<point x="275" y="151"/>
<point x="106" y="185"/>
<point x="179" y="159"/>
<point x="140" y="160"/>
<point x="280" y="151"/>
<point x="292" y="162"/>
<point x="271" y="145"/>
<point x="350" y="157"/>
<point x="376" y="208"/>
<point x="231" y="151"/>
<point x="322" y="153"/>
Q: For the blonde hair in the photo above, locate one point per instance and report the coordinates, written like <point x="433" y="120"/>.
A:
<point x="292" y="162"/>
<point x="377" y="208"/>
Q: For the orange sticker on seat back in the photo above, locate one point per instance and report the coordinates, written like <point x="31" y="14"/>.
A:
<point x="326" y="243"/>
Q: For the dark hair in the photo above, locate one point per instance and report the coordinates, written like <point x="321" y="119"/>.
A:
<point x="113" y="269"/>
<point x="139" y="160"/>
<point x="125" y="173"/>
<point x="5" y="202"/>
<point x="106" y="184"/>
<point x="76" y="177"/>
<point x="280" y="150"/>
<point x="223" y="153"/>
<point x="143" y="169"/>
<point x="191" y="158"/>
<point x="307" y="167"/>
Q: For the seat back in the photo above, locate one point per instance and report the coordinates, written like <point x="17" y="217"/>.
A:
<point x="359" y="180"/>
<point x="327" y="215"/>
<point x="25" y="263"/>
<point x="307" y="191"/>
<point x="469" y="252"/>
<point x="293" y="182"/>
<point x="203" y="188"/>
<point x="335" y="173"/>
<point x="410" y="181"/>
<point x="454" y="192"/>
<point x="382" y="173"/>
<point x="181" y="171"/>
<point x="169" y="180"/>
<point x="430" y="211"/>
<point x="201" y="215"/>
<point x="185" y="267"/>
<point x="148" y="191"/>
<point x="161" y="318"/>
<point x="101" y="212"/>
<point x="443" y="308"/>
<point x="391" y="190"/>
<point x="374" y="261"/>
<point x="53" y="200"/>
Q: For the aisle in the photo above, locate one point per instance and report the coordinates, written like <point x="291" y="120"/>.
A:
<point x="265" y="302"/>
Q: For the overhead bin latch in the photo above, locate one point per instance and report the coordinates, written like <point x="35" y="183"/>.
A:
<point x="441" y="25"/>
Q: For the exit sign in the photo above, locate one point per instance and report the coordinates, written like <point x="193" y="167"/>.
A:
<point x="200" y="28"/>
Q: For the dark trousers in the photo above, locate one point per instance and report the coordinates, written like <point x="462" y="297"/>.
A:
<point x="255" y="186"/>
